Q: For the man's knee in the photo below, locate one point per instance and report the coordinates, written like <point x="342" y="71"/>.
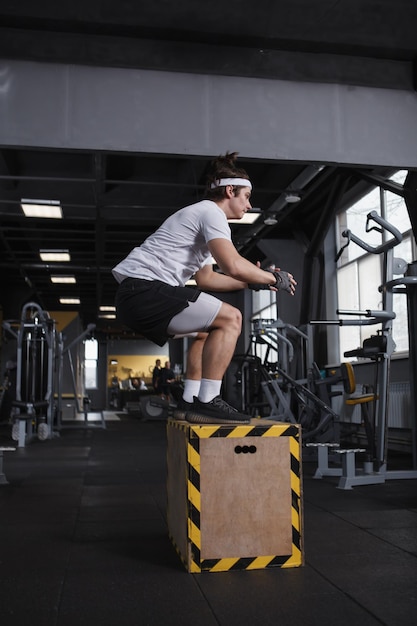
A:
<point x="237" y="319"/>
<point x="229" y="318"/>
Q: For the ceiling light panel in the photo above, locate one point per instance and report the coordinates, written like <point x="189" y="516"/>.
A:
<point x="249" y="218"/>
<point x="69" y="301"/>
<point x="55" y="256"/>
<point x="63" y="279"/>
<point x="42" y="208"/>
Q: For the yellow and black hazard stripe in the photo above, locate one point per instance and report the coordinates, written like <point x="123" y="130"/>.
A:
<point x="195" y="434"/>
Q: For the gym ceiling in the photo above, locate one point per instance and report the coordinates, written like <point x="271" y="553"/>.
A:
<point x="113" y="201"/>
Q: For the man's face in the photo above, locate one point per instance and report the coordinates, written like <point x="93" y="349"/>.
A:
<point x="240" y="203"/>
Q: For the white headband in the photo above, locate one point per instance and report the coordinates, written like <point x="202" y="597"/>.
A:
<point x="222" y="182"/>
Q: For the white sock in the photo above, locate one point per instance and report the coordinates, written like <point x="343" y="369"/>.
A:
<point x="191" y="389"/>
<point x="209" y="389"/>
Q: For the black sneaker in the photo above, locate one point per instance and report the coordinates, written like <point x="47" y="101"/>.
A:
<point x="215" y="411"/>
<point x="181" y="410"/>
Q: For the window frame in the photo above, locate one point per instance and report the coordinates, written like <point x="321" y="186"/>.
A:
<point x="360" y="258"/>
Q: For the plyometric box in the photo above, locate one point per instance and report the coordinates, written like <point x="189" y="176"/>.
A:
<point x="234" y="495"/>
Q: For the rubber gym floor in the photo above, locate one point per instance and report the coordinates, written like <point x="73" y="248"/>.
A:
<point x="83" y="540"/>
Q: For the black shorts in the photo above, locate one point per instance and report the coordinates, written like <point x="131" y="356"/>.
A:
<point x="148" y="306"/>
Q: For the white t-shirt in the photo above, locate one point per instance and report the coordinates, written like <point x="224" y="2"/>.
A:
<point x="178" y="249"/>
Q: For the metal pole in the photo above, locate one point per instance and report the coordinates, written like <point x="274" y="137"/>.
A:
<point x="411" y="291"/>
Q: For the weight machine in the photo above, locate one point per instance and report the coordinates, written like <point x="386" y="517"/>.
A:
<point x="32" y="410"/>
<point x="379" y="349"/>
<point x="79" y="396"/>
<point x="407" y="284"/>
<point x="37" y="407"/>
<point x="304" y="400"/>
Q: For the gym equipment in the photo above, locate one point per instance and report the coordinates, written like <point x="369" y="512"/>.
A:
<point x="81" y="400"/>
<point x="3" y="479"/>
<point x="304" y="401"/>
<point x="39" y="370"/>
<point x="32" y="411"/>
<point x="234" y="496"/>
<point x="378" y="348"/>
<point x="407" y="284"/>
<point x="4" y="389"/>
<point x="154" y="408"/>
<point x="157" y="408"/>
<point x="364" y="400"/>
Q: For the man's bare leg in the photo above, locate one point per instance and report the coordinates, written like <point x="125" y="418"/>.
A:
<point x="194" y="357"/>
<point x="208" y="358"/>
<point x="210" y="353"/>
<point x="218" y="351"/>
<point x="220" y="344"/>
<point x="192" y="379"/>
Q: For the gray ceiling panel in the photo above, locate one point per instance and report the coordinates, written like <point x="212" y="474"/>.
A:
<point x="288" y="84"/>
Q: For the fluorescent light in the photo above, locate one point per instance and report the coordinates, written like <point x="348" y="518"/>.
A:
<point x="63" y="279"/>
<point x="108" y="316"/>
<point x="107" y="308"/>
<point x="42" y="208"/>
<point x="292" y="197"/>
<point x="70" y="301"/>
<point x="249" y="218"/>
<point x="55" y="255"/>
<point x="271" y="220"/>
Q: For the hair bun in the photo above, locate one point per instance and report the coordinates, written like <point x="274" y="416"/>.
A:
<point x="224" y="166"/>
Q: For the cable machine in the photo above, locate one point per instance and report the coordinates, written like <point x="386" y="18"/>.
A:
<point x="32" y="410"/>
<point x="378" y="348"/>
<point x="37" y="407"/>
<point x="408" y="285"/>
<point x="81" y="400"/>
<point x="261" y="387"/>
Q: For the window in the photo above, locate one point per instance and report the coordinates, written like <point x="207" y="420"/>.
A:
<point x="90" y="363"/>
<point x="264" y="307"/>
<point x="361" y="273"/>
